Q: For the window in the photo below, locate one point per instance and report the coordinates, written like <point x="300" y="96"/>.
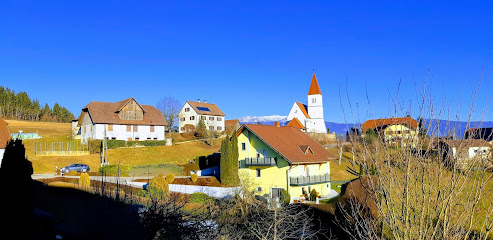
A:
<point x="113" y="138"/>
<point x="152" y="128"/>
<point x="259" y="189"/>
<point x="257" y="172"/>
<point x="219" y="119"/>
<point x="149" y="138"/>
<point x="182" y="119"/>
<point x="129" y="128"/>
<point x="219" y="128"/>
<point x="137" y="139"/>
<point x="204" y="118"/>
<point x="110" y="127"/>
<point x="211" y="128"/>
<point x="243" y="146"/>
<point x="136" y="129"/>
<point x="211" y="118"/>
<point x="192" y="118"/>
<point x="187" y="109"/>
<point x="314" y="100"/>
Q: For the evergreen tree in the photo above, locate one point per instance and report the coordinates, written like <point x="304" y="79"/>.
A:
<point x="225" y="167"/>
<point x="234" y="158"/>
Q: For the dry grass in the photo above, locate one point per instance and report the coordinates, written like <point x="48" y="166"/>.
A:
<point x="176" y="155"/>
<point x="339" y="172"/>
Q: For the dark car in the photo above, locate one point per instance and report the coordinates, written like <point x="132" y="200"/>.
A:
<point x="78" y="167"/>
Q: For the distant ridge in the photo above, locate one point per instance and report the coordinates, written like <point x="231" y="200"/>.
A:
<point x="435" y="127"/>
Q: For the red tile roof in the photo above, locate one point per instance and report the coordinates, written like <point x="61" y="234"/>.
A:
<point x="213" y="109"/>
<point x="289" y="142"/>
<point x="4" y="133"/>
<point x="105" y="112"/>
<point x="383" y="122"/>
<point x="314" y="88"/>
<point x="296" y="123"/>
<point x="232" y="123"/>
<point x="303" y="109"/>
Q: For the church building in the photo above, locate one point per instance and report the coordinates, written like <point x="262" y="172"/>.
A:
<point x="309" y="118"/>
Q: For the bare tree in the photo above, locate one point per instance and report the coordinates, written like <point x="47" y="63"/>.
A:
<point x="416" y="195"/>
<point x="170" y="107"/>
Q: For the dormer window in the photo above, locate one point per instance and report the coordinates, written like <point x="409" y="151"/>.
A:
<point x="306" y="149"/>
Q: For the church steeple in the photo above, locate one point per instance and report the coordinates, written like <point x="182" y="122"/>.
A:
<point x="314" y="88"/>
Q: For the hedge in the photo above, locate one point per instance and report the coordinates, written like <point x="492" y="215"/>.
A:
<point x="111" y="170"/>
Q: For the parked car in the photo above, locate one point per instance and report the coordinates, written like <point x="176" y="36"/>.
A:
<point x="78" y="167"/>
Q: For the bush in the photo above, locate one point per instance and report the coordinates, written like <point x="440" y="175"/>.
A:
<point x="170" y="178"/>
<point x="157" y="188"/>
<point x="84" y="180"/>
<point x="199" y="197"/>
<point x="194" y="178"/>
<point x="112" y="170"/>
<point x="94" y="146"/>
<point x="285" y="198"/>
<point x="313" y="195"/>
<point x="112" y="144"/>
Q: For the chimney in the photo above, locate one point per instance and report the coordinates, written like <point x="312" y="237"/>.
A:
<point x="198" y="100"/>
<point x="205" y="101"/>
<point x="277" y="124"/>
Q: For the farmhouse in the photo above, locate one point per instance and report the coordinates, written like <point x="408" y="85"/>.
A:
<point x="282" y="157"/>
<point x="124" y="120"/>
<point x="480" y="133"/>
<point x="396" y="131"/>
<point x="231" y="125"/>
<point x="309" y="118"/>
<point x="466" y="153"/>
<point x="192" y="112"/>
<point x="4" y="137"/>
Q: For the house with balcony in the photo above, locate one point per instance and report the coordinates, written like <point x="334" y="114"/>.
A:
<point x="274" y="157"/>
<point x="395" y="131"/>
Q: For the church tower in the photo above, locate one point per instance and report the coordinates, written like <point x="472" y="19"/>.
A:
<point x="315" y="107"/>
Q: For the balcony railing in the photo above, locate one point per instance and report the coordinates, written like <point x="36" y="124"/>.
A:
<point x="308" y="180"/>
<point x="269" y="161"/>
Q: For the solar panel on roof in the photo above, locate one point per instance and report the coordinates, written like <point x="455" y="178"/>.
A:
<point x="204" y="109"/>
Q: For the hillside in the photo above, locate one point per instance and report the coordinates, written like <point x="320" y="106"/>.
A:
<point x="170" y="157"/>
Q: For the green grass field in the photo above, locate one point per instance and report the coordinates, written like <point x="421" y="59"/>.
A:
<point x="170" y="157"/>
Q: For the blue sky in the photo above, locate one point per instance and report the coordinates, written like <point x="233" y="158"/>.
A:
<point x="251" y="58"/>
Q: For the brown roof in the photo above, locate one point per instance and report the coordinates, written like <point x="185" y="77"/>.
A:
<point x="296" y="123"/>
<point x="303" y="109"/>
<point x="289" y="142"/>
<point x="384" y="122"/>
<point x="467" y="143"/>
<point x="213" y="109"/>
<point x="314" y="88"/>
<point x="232" y="123"/>
<point x="122" y="104"/>
<point x="105" y="112"/>
<point x="4" y="133"/>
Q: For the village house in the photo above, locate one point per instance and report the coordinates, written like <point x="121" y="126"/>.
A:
<point x="465" y="153"/>
<point x="192" y="112"/>
<point x="277" y="157"/>
<point x="4" y="137"/>
<point x="396" y="131"/>
<point x="231" y="125"/>
<point x="309" y="118"/>
<point x="124" y="120"/>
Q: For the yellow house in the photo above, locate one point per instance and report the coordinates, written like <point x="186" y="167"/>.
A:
<point x="396" y="131"/>
<point x="272" y="158"/>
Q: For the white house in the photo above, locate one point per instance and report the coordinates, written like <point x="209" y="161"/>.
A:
<point x="311" y="117"/>
<point x="191" y="113"/>
<point x="124" y="120"/>
<point x="465" y="153"/>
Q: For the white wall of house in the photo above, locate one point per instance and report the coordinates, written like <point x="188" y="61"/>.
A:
<point x="215" y="123"/>
<point x="119" y="132"/>
<point x="296" y="112"/>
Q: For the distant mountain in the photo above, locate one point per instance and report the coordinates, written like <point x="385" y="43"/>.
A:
<point x="338" y="128"/>
<point x="435" y="126"/>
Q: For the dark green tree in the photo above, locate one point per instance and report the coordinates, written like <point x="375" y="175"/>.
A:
<point x="233" y="161"/>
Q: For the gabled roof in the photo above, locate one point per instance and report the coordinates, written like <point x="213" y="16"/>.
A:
<point x="384" y="122"/>
<point x="105" y="112"/>
<point x="466" y="143"/>
<point x="4" y="133"/>
<point x="122" y="104"/>
<point x="200" y="108"/>
<point x="288" y="141"/>
<point x="232" y="123"/>
<point x="303" y="108"/>
<point x="314" y="88"/>
<point x="296" y="123"/>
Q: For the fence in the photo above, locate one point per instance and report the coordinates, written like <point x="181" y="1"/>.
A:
<point x="63" y="148"/>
